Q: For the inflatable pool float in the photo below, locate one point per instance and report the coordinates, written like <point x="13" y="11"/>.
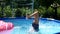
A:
<point x="6" y="27"/>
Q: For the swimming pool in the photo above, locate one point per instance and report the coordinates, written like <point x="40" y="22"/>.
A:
<point x="22" y="25"/>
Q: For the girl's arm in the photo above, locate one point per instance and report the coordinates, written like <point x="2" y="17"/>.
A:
<point x="34" y="13"/>
<point x="28" y="16"/>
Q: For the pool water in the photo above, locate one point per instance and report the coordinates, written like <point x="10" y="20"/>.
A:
<point x="22" y="26"/>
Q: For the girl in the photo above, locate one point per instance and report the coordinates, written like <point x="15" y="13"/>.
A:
<point x="35" y="23"/>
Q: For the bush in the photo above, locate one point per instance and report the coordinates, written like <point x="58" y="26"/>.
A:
<point x="42" y="11"/>
<point x="58" y="13"/>
<point x="22" y="12"/>
<point x="7" y="11"/>
<point x="18" y="13"/>
<point x="1" y="12"/>
<point x="46" y="13"/>
<point x="51" y="12"/>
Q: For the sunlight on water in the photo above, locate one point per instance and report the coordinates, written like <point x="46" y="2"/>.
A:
<point x="23" y="26"/>
<point x="18" y="30"/>
<point x="43" y="29"/>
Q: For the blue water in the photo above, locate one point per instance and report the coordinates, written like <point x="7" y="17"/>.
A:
<point x="22" y="26"/>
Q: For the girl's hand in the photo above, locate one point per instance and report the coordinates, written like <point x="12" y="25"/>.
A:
<point x="27" y="16"/>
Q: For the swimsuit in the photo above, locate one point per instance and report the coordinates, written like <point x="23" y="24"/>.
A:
<point x="35" y="26"/>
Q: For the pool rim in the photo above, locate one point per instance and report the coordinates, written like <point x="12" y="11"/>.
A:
<point x="32" y="18"/>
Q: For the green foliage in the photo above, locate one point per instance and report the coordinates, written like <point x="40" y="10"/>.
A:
<point x="42" y="5"/>
<point x="58" y="1"/>
<point x="41" y="11"/>
<point x="46" y="2"/>
<point x="7" y="11"/>
<point x="0" y="8"/>
<point x="25" y="10"/>
<point x="44" y="13"/>
<point x="21" y="12"/>
<point x="36" y="4"/>
<point x="58" y="13"/>
<point x="18" y="13"/>
<point x="50" y="12"/>
<point x="1" y="11"/>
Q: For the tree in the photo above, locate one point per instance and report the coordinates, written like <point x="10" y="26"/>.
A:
<point x="18" y="13"/>
<point x="46" y="3"/>
<point x="7" y="11"/>
<point x="36" y="4"/>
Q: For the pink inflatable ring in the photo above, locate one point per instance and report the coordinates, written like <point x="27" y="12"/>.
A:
<point x="5" y="26"/>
